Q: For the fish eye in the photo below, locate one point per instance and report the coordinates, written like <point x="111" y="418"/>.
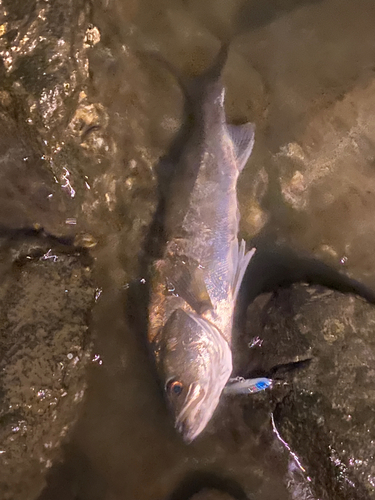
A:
<point x="175" y="387"/>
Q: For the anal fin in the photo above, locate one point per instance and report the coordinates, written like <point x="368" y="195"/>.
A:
<point x="241" y="260"/>
<point x="243" y="141"/>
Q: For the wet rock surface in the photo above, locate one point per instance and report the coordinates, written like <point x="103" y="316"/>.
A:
<point x="46" y="120"/>
<point x="325" y="411"/>
<point x="47" y="289"/>
<point x="45" y="346"/>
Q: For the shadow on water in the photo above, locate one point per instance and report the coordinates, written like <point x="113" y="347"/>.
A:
<point x="74" y="479"/>
<point x="254" y="14"/>
<point x="138" y="294"/>
<point x="165" y="168"/>
<point x="276" y="266"/>
<point x="196" y="481"/>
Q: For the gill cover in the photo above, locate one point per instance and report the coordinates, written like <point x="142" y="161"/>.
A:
<point x="195" y="363"/>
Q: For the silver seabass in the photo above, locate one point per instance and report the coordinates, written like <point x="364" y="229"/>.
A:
<point x="195" y="284"/>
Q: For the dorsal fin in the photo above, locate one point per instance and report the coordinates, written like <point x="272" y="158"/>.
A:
<point x="243" y="141"/>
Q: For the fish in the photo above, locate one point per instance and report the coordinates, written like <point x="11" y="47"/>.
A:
<point x="197" y="277"/>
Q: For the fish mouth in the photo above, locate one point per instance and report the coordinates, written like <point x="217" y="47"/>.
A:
<point x="187" y="435"/>
<point x="189" y="422"/>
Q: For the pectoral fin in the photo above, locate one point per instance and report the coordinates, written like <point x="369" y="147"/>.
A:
<point x="241" y="260"/>
<point x="243" y="141"/>
<point x="187" y="281"/>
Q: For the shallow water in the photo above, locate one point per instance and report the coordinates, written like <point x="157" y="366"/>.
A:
<point x="85" y="116"/>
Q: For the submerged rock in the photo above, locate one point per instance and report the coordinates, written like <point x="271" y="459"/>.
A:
<point x="326" y="414"/>
<point x="44" y="350"/>
<point x="327" y="176"/>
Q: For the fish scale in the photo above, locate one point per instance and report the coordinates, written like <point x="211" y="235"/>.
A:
<point x="197" y="279"/>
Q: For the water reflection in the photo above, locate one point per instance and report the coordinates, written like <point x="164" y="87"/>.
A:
<point x="83" y="122"/>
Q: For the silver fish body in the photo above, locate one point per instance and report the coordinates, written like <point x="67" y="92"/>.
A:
<point x="196" y="282"/>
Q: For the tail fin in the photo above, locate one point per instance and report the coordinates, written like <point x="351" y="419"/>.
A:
<point x="213" y="73"/>
<point x="215" y="70"/>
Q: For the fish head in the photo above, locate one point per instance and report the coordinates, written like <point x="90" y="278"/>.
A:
<point x="195" y="362"/>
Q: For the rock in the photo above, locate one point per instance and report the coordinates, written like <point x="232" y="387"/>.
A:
<point x="327" y="175"/>
<point x="47" y="121"/>
<point x="39" y="68"/>
<point x="45" y="347"/>
<point x="46" y="291"/>
<point x="326" y="412"/>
